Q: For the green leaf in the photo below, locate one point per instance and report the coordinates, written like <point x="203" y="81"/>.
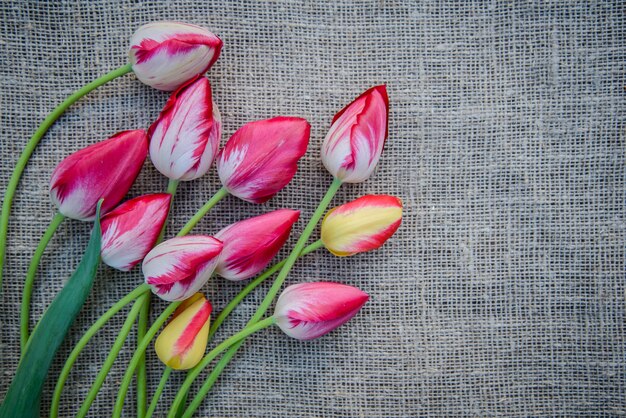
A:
<point x="23" y="397"/>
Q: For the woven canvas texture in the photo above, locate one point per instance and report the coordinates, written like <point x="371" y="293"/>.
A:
<point x="503" y="292"/>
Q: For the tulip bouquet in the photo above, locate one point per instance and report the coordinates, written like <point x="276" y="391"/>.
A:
<point x="258" y="160"/>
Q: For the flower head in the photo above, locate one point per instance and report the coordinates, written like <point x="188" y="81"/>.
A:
<point x="179" y="267"/>
<point x="130" y="230"/>
<point x="250" y="245"/>
<point x="165" y="55"/>
<point x="309" y="310"/>
<point x="183" y="341"/>
<point x="104" y="170"/>
<point x="356" y="137"/>
<point x="361" y="225"/>
<point x="262" y="157"/>
<point x="185" y="137"/>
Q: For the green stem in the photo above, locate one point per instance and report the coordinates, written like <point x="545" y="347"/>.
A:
<point x="158" y="391"/>
<point x="278" y="282"/>
<point x="142" y="326"/>
<point x="115" y="349"/>
<point x="172" y="185"/>
<point x="219" y="195"/>
<point x="56" y="398"/>
<point x="193" y="373"/>
<point x="32" y="144"/>
<point x="30" y="278"/>
<point x="139" y="352"/>
<point x="253" y="285"/>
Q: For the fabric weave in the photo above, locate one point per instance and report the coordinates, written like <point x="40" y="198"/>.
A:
<point x="502" y="293"/>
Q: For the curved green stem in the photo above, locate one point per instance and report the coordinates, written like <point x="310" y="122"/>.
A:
<point x="142" y="326"/>
<point x="193" y="373"/>
<point x="219" y="195"/>
<point x="253" y="285"/>
<point x="32" y="144"/>
<point x="56" y="397"/>
<point x="30" y="278"/>
<point x="115" y="349"/>
<point x="139" y="352"/>
<point x="158" y="391"/>
<point x="278" y="282"/>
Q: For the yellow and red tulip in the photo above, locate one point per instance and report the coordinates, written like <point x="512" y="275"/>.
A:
<point x="165" y="55"/>
<point x="262" y="157"/>
<point x="356" y="137"/>
<point x="183" y="341"/>
<point x="185" y="137"/>
<point x="250" y="245"/>
<point x="131" y="230"/>
<point x="105" y="170"/>
<point x="179" y="267"/>
<point x="361" y="225"/>
<point x="309" y="310"/>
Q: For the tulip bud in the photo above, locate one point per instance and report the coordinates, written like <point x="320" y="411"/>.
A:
<point x="165" y="55"/>
<point x="361" y="225"/>
<point x="309" y="310"/>
<point x="185" y="137"/>
<point x="131" y="230"/>
<point x="179" y="267"/>
<point x="183" y="341"/>
<point x="250" y="245"/>
<point x="356" y="137"/>
<point x="262" y="157"/>
<point x="105" y="170"/>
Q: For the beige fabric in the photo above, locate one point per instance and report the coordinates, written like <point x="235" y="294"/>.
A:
<point x="503" y="292"/>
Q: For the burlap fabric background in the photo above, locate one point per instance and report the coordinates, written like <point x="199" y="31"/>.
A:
<point x="503" y="292"/>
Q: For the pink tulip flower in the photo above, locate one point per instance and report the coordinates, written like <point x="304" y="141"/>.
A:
<point x="179" y="267"/>
<point x="165" y="55"/>
<point x="262" y="157"/>
<point x="185" y="137"/>
<point x="250" y="245"/>
<point x="105" y="170"/>
<point x="356" y="137"/>
<point x="131" y="230"/>
<point x="309" y="310"/>
<point x="361" y="225"/>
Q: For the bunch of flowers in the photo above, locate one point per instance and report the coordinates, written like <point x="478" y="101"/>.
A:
<point x="258" y="160"/>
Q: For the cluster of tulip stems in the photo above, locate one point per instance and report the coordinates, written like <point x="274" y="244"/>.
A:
<point x="258" y="160"/>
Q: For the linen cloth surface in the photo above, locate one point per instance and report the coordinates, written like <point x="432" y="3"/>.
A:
<point x="502" y="294"/>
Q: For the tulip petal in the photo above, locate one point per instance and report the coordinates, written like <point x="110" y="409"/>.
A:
<point x="165" y="55"/>
<point x="262" y="157"/>
<point x="183" y="341"/>
<point x="185" y="137"/>
<point x="361" y="225"/>
<point x="105" y="170"/>
<point x="310" y="310"/>
<point x="179" y="267"/>
<point x="356" y="137"/>
<point x="250" y="245"/>
<point x="131" y="229"/>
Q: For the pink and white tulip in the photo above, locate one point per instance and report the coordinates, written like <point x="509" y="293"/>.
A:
<point x="262" y="157"/>
<point x="105" y="170"/>
<point x="131" y="230"/>
<point x="250" y="245"/>
<point x="356" y="137"/>
<point x="361" y="225"/>
<point x="185" y="137"/>
<point x="309" y="310"/>
<point x="179" y="267"/>
<point x="183" y="341"/>
<point x="165" y="55"/>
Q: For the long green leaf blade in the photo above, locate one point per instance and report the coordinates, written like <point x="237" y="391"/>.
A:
<point x="23" y="397"/>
